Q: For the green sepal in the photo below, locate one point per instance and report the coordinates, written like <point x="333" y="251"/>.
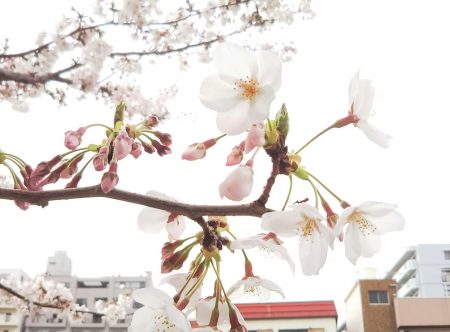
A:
<point x="93" y="147"/>
<point x="271" y="132"/>
<point x="282" y="120"/>
<point x="118" y="115"/>
<point x="301" y="173"/>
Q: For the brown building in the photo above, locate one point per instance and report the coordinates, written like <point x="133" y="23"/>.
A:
<point x="370" y="306"/>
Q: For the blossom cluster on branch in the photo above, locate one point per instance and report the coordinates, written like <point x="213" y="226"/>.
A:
<point x="241" y="93"/>
<point x="103" y="52"/>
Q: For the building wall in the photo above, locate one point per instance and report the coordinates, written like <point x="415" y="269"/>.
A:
<point x="10" y="318"/>
<point x="422" y="313"/>
<point x="353" y="310"/>
<point x="326" y="324"/>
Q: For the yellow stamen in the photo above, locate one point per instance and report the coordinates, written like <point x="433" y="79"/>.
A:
<point x="249" y="88"/>
<point x="364" y="225"/>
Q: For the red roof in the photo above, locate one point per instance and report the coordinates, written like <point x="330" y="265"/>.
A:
<point x="287" y="310"/>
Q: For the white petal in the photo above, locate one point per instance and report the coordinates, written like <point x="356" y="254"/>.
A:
<point x="353" y="88"/>
<point x="352" y="245"/>
<point x="177" y="318"/>
<point x="219" y="94"/>
<point x="307" y="210"/>
<point x="247" y="243"/>
<point x="270" y="285"/>
<point x="313" y="250"/>
<point x="176" y="228"/>
<point x="374" y="134"/>
<point x="363" y="101"/>
<point x="376" y="209"/>
<point x="151" y="297"/>
<point x="260" y="107"/>
<point x="235" y="61"/>
<point x="234" y="287"/>
<point x="283" y="223"/>
<point x="370" y="245"/>
<point x="152" y="220"/>
<point x="238" y="184"/>
<point x="204" y="310"/>
<point x="391" y="222"/>
<point x="343" y="219"/>
<point x="236" y="120"/>
<point x="269" y="65"/>
<point x="142" y="318"/>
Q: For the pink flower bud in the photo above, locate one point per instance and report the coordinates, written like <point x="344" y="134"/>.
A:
<point x="197" y="150"/>
<point x="151" y="121"/>
<point x="110" y="178"/>
<point x="74" y="182"/>
<point x="122" y="145"/>
<point x="174" y="261"/>
<point x="72" y="168"/>
<point x="72" y="139"/>
<point x="41" y="170"/>
<point x="136" y="149"/>
<point x="238" y="184"/>
<point x="164" y="138"/>
<point x="169" y="248"/>
<point x="22" y="205"/>
<point x="162" y="150"/>
<point x="149" y="148"/>
<point x="255" y="137"/>
<point x="235" y="156"/>
<point x="101" y="159"/>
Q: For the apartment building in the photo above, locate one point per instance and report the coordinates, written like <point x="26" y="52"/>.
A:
<point x="423" y="271"/>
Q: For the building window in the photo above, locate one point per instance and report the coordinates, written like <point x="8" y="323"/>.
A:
<point x="447" y="254"/>
<point x="266" y="330"/>
<point x="378" y="297"/>
<point x="104" y="299"/>
<point x="7" y="317"/>
<point x="82" y="302"/>
<point x="92" y="284"/>
<point x="294" y="330"/>
<point x="96" y="319"/>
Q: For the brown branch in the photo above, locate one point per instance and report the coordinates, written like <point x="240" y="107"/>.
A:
<point x="254" y="209"/>
<point x="40" y="304"/>
<point x="262" y="200"/>
<point x="33" y="78"/>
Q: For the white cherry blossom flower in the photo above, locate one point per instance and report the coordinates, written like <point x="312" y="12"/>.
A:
<point x="152" y="220"/>
<point x="266" y="242"/>
<point x="204" y="311"/>
<point x="255" y="286"/>
<point x="243" y="89"/>
<point x="158" y="313"/>
<point x="361" y="94"/>
<point x="177" y="281"/>
<point x="366" y="222"/>
<point x="314" y="237"/>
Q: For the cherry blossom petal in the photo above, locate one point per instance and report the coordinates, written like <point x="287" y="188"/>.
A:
<point x="236" y="120"/>
<point x="391" y="222"/>
<point x="151" y="297"/>
<point x="374" y="134"/>
<point x="269" y="65"/>
<point x="313" y="250"/>
<point x="260" y="107"/>
<point x="175" y="228"/>
<point x="238" y="184"/>
<point x="376" y="209"/>
<point x="283" y="223"/>
<point x="204" y="310"/>
<point x="177" y="318"/>
<point x="235" y="61"/>
<point x="152" y="220"/>
<point x="218" y="94"/>
<point x="140" y="321"/>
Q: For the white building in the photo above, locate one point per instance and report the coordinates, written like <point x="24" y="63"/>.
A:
<point x="423" y="271"/>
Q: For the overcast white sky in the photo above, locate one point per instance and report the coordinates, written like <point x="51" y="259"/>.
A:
<point x="401" y="45"/>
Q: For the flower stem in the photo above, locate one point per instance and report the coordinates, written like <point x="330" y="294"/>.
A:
<point x="289" y="193"/>
<point x="314" y="138"/>
<point x="315" y="193"/>
<point x="326" y="188"/>
<point x="99" y="125"/>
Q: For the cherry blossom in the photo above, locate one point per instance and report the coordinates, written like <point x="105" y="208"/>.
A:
<point x="365" y="223"/>
<point x="178" y="281"/>
<point x="255" y="286"/>
<point x="255" y="137"/>
<point x="152" y="220"/>
<point x="361" y="94"/>
<point x="158" y="313"/>
<point x="267" y="242"/>
<point x="314" y="238"/>
<point x="243" y="89"/>
<point x="204" y="313"/>
<point x="238" y="184"/>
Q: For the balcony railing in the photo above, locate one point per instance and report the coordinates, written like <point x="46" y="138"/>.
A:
<point x="409" y="288"/>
